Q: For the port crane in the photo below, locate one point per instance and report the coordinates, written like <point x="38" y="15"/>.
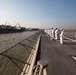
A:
<point x="18" y="26"/>
<point x="5" y="23"/>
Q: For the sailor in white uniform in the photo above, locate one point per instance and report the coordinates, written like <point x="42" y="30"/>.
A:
<point x="61" y="36"/>
<point x="45" y="30"/>
<point x="52" y="34"/>
<point x="56" y="34"/>
<point x="48" y="31"/>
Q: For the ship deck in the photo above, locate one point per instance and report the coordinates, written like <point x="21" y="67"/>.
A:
<point x="61" y="58"/>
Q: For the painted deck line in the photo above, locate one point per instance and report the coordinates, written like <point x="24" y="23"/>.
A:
<point x="69" y="39"/>
<point x="74" y="57"/>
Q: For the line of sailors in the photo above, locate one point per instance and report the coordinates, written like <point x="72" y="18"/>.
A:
<point x="53" y="33"/>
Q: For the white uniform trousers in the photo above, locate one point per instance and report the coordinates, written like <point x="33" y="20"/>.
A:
<point x="61" y="39"/>
<point x="56" y="36"/>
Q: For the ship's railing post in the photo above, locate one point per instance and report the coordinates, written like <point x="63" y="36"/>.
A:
<point x="43" y="64"/>
<point x="40" y="68"/>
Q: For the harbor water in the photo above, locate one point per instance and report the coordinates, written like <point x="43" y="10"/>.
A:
<point x="13" y="56"/>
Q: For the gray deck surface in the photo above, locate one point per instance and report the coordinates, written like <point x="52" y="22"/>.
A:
<point x="58" y="56"/>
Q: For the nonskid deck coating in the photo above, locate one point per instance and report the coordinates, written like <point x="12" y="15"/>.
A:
<point x="58" y="56"/>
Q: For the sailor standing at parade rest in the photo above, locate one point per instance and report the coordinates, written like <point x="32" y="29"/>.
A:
<point x="52" y="36"/>
<point x="61" y="36"/>
<point x="56" y="34"/>
<point x="45" y="30"/>
<point x="50" y="32"/>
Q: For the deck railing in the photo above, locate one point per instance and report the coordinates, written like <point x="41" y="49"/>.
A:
<point x="14" y="55"/>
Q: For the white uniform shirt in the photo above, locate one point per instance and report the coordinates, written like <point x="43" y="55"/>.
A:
<point x="52" y="33"/>
<point x="61" y="37"/>
<point x="61" y="33"/>
<point x="56" y="31"/>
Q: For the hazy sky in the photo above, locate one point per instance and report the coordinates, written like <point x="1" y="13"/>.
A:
<point x="39" y="13"/>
